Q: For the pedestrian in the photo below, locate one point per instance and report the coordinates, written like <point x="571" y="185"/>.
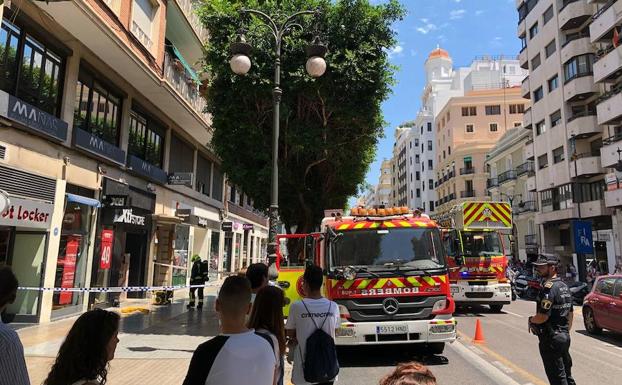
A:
<point x="12" y="364"/>
<point x="267" y="318"/>
<point x="410" y="373"/>
<point x="238" y="355"/>
<point x="198" y="276"/>
<point x="553" y="321"/>
<point x="88" y="348"/>
<point x="306" y="316"/>
<point x="257" y="274"/>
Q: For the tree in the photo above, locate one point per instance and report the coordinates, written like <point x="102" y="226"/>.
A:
<point x="329" y="126"/>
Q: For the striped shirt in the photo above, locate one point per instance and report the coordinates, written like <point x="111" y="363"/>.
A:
<point x="12" y="363"/>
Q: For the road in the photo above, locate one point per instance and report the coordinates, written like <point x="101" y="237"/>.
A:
<point x="156" y="348"/>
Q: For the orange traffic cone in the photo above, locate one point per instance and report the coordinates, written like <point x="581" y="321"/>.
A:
<point x="479" y="335"/>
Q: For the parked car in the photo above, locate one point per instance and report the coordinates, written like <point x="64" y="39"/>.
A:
<point x="602" y="307"/>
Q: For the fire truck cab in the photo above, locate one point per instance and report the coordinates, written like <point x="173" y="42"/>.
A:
<point x="385" y="268"/>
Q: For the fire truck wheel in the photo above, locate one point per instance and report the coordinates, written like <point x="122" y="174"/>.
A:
<point x="496" y="308"/>
<point x="436" y="347"/>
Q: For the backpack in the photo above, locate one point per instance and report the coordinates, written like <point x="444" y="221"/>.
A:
<point x="320" y="363"/>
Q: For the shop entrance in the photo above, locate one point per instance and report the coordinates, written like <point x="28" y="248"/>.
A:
<point x="135" y="247"/>
<point x="228" y="255"/>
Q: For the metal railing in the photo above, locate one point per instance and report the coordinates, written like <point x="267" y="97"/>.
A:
<point x="492" y="182"/>
<point x="531" y="239"/>
<point x="528" y="206"/>
<point x="467" y="194"/>
<point x="467" y="170"/>
<point x="506" y="176"/>
<point x="582" y="114"/>
<point x="525" y="168"/>
<point x="141" y="35"/>
<point x="613" y="139"/>
<point x="616" y="89"/>
<point x="603" y="9"/>
<point x="189" y="8"/>
<point x="184" y="84"/>
<point x="565" y="3"/>
<point x="574" y="36"/>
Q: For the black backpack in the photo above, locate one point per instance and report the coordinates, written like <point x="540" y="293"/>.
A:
<point x="320" y="363"/>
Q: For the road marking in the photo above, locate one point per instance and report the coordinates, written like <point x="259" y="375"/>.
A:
<point x="522" y="372"/>
<point x="613" y="346"/>
<point x="503" y="367"/>
<point x="476" y="350"/>
<point x="609" y="352"/>
<point x="482" y="365"/>
<point x="514" y="314"/>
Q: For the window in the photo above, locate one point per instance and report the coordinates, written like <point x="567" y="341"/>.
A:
<point x="204" y="175"/>
<point x="429" y="145"/>
<point x="540" y="127"/>
<point x="547" y="15"/>
<point x="469" y="111"/>
<point x="30" y="69"/>
<point x="430" y="184"/>
<point x="543" y="161"/>
<point x="533" y="31"/>
<point x="493" y="110"/>
<point x="469" y="128"/>
<point x="448" y="116"/>
<point x="558" y="154"/>
<point x="431" y="205"/>
<point x="417" y="175"/>
<point x="429" y="127"/>
<point x="517" y="108"/>
<point x="417" y="159"/>
<point x="556" y="118"/>
<point x="416" y="142"/>
<point x="142" y="17"/>
<point x="578" y="66"/>
<point x="535" y="62"/>
<point x="517" y="124"/>
<point x="538" y="94"/>
<point x="493" y="127"/>
<point x="449" y="150"/>
<point x="444" y="156"/>
<point x="97" y="109"/>
<point x="605" y="286"/>
<point x="418" y="192"/>
<point x="553" y="82"/>
<point x="430" y="164"/>
<point x="411" y="144"/>
<point x="550" y="48"/>
<point x="523" y="43"/>
<point x="181" y="156"/>
<point x="146" y="139"/>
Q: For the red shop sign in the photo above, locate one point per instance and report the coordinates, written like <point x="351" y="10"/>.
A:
<point x="106" y="249"/>
<point x="69" y="268"/>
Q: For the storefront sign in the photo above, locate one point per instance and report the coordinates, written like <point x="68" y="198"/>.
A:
<point x="183" y="213"/>
<point x="247" y="226"/>
<point x="227" y="226"/>
<point x="180" y="178"/>
<point x="106" y="249"/>
<point x="582" y="231"/>
<point x="144" y="168"/>
<point x="116" y="201"/>
<point x="32" y="117"/>
<point x="126" y="216"/>
<point x="4" y="201"/>
<point x="27" y="213"/>
<point x="97" y="146"/>
<point x="69" y="267"/>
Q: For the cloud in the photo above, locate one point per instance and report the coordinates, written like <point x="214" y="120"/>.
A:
<point x="398" y="50"/>
<point x="497" y="42"/>
<point x="413" y="53"/>
<point x="457" y="14"/>
<point x="426" y="28"/>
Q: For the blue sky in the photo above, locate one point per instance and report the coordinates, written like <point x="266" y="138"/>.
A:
<point x="465" y="28"/>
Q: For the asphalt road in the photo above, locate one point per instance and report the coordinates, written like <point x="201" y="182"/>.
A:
<point x="508" y="356"/>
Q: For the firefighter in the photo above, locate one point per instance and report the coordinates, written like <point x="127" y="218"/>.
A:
<point x="553" y="321"/>
<point x="198" y="276"/>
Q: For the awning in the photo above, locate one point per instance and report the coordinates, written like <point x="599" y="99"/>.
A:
<point x="467" y="158"/>
<point x="83" y="200"/>
<point x="183" y="61"/>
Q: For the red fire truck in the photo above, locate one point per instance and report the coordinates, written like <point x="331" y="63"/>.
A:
<point x="387" y="271"/>
<point x="472" y="235"/>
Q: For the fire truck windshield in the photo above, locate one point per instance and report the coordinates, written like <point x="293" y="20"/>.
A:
<point x="413" y="248"/>
<point x="481" y="243"/>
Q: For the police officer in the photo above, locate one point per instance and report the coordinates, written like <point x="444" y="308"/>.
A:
<point x="553" y="321"/>
<point x="198" y="276"/>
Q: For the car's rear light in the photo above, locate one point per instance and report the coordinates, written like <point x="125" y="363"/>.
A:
<point x="444" y="306"/>
<point x="343" y="312"/>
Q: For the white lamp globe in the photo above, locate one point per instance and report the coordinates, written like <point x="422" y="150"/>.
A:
<point x="316" y="66"/>
<point x="240" y="64"/>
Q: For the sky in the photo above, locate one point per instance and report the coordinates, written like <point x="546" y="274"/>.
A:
<point x="465" y="28"/>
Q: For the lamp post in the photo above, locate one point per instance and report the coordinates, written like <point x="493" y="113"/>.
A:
<point x="510" y="199"/>
<point x="582" y="268"/>
<point x="241" y="63"/>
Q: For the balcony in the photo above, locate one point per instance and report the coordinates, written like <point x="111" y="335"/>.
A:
<point x="573" y="14"/>
<point x="613" y="195"/>
<point x="580" y="88"/>
<point x="531" y="240"/>
<point x="528" y="150"/>
<point x="523" y="58"/>
<point x="467" y="171"/>
<point x="609" y="107"/>
<point x="189" y="9"/>
<point x="595" y="208"/>
<point x="576" y="45"/>
<point x="492" y="183"/>
<point x="507" y="176"/>
<point x="609" y="152"/>
<point x="604" y="20"/>
<point x="583" y="125"/>
<point x="527" y="207"/>
<point x="247" y="214"/>
<point x="531" y="183"/>
<point x="527" y="119"/>
<point x="528" y="168"/>
<point x="586" y="165"/>
<point x="184" y="84"/>
<point x="467" y="194"/>
<point x="525" y="89"/>
<point x="609" y="65"/>
<point x="451" y="197"/>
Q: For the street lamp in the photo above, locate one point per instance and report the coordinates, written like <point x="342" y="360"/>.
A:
<point x="618" y="165"/>
<point x="240" y="64"/>
<point x="578" y="199"/>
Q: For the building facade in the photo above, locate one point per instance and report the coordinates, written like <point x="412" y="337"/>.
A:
<point x="467" y="128"/>
<point x="570" y="118"/>
<point x="105" y="153"/>
<point x="406" y="162"/>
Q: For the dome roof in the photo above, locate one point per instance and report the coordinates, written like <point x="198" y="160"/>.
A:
<point x="438" y="52"/>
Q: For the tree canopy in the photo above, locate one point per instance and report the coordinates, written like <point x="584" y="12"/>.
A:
<point x="330" y="126"/>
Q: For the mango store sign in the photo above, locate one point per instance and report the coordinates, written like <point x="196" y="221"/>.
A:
<point x="27" y="213"/>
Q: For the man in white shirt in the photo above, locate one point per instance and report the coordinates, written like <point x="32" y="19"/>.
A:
<point x="238" y="355"/>
<point x="305" y="314"/>
<point x="12" y="364"/>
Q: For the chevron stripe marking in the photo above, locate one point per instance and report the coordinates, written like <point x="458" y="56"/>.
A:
<point x="502" y="216"/>
<point x="388" y="224"/>
<point x="421" y="224"/>
<point x="360" y="225"/>
<point x="397" y="282"/>
<point x="347" y="284"/>
<point x="405" y="224"/>
<point x="471" y="217"/>
<point x="381" y="282"/>
<point x="345" y="226"/>
<point x="443" y="278"/>
<point x="471" y="207"/>
<point x="334" y="283"/>
<point x="374" y="225"/>
<point x="363" y="284"/>
<point x="430" y="281"/>
<point x="414" y="281"/>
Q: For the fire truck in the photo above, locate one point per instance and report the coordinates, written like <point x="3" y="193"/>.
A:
<point x="386" y="269"/>
<point x="473" y="237"/>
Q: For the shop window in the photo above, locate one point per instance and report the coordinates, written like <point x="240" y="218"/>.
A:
<point x="204" y="175"/>
<point x="30" y="69"/>
<point x="97" y="109"/>
<point x="214" y="255"/>
<point x="146" y="139"/>
<point x="27" y="258"/>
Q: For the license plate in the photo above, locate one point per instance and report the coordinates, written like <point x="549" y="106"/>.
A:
<point x="479" y="289"/>
<point x="392" y="329"/>
<point x="345" y="332"/>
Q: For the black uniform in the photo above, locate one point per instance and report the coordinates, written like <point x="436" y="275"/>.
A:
<point x="198" y="276"/>
<point x="555" y="300"/>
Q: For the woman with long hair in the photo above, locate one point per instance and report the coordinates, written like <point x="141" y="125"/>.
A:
<point x="89" y="346"/>
<point x="267" y="318"/>
<point x="410" y="373"/>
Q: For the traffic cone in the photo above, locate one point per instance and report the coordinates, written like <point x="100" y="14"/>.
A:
<point x="479" y="335"/>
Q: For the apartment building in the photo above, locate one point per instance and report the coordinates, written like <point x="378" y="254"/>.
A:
<point x="406" y="188"/>
<point x="560" y="40"/>
<point x="467" y="128"/>
<point x="509" y="172"/>
<point x="105" y="154"/>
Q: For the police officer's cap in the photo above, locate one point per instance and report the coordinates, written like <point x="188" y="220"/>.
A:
<point x="546" y="259"/>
